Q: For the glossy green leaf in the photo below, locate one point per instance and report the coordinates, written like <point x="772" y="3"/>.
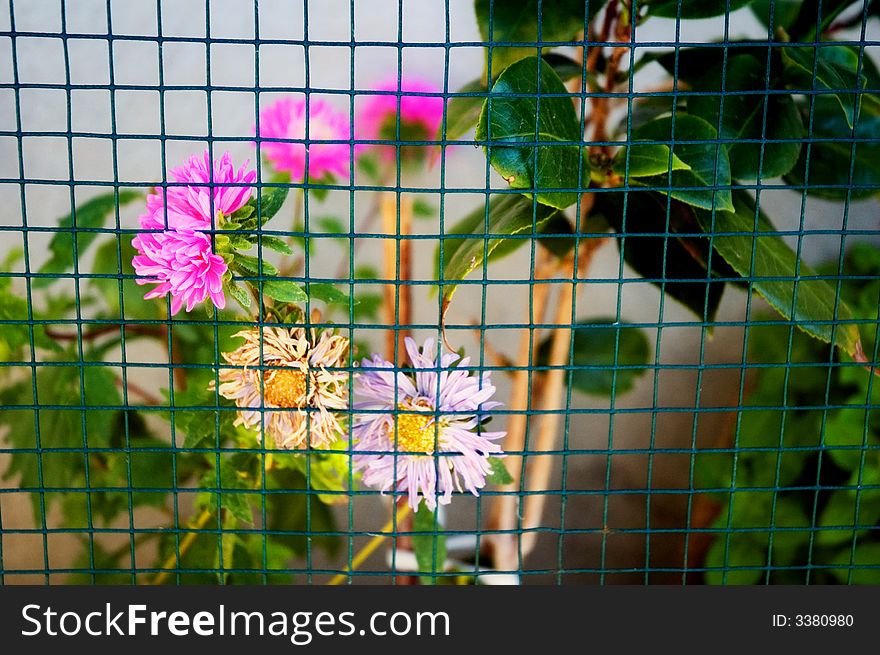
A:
<point x="284" y="291"/>
<point x="676" y="264"/>
<point x="645" y="160"/>
<point x="861" y="567"/>
<point x="513" y="118"/>
<point x="429" y="546"/>
<point x="835" y="74"/>
<point x="750" y="119"/>
<point x="509" y="215"/>
<point x="607" y="357"/>
<point x="707" y="159"/>
<point x="776" y="273"/>
<point x="90" y="216"/>
<point x="784" y="12"/>
<point x="463" y="111"/>
<point x="839" y="168"/>
<point x="516" y="21"/>
<point x="692" y="8"/>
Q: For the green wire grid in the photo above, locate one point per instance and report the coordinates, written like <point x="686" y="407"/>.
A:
<point x="561" y="535"/>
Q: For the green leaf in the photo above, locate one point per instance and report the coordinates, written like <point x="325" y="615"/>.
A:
<point x="428" y="544"/>
<point x="463" y="111"/>
<point x="241" y="296"/>
<point x="328" y="293"/>
<point x="839" y="169"/>
<point x="499" y="474"/>
<point x="784" y="12"/>
<point x="692" y="8"/>
<point x="284" y="291"/>
<point x="272" y="199"/>
<point x="513" y="117"/>
<point x="274" y="243"/>
<point x="777" y="272"/>
<point x="677" y="265"/>
<point x="232" y="483"/>
<point x="749" y="119"/>
<point x="508" y="215"/>
<point x="604" y="355"/>
<point x="645" y="160"/>
<point x="808" y="22"/>
<point x="863" y="566"/>
<point x="707" y="159"/>
<point x="734" y="561"/>
<point x="90" y="215"/>
<point x="835" y="74"/>
<point x="422" y="209"/>
<point x="252" y="266"/>
<point x="517" y="21"/>
<point x="839" y="516"/>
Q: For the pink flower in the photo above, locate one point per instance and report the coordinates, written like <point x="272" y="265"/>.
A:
<point x="180" y="262"/>
<point x="420" y="115"/>
<point x="173" y="253"/>
<point x="286" y="119"/>
<point x="224" y="188"/>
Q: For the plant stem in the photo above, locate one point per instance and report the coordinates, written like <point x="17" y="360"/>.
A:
<point x="397" y="267"/>
<point x="188" y="540"/>
<point x="403" y="513"/>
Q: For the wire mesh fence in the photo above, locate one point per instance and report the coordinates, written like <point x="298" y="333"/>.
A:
<point x="439" y="292"/>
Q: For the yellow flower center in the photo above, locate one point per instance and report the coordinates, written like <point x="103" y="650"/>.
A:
<point x="285" y="388"/>
<point x="415" y="431"/>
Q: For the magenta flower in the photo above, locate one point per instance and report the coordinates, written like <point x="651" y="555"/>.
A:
<point x="420" y="115"/>
<point x="174" y="254"/>
<point x="180" y="262"/>
<point x="423" y="433"/>
<point x="286" y="119"/>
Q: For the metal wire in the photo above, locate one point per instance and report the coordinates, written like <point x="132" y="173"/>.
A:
<point x="586" y="534"/>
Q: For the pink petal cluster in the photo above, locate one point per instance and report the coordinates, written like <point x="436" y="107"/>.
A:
<point x="378" y="113"/>
<point x="174" y="253"/>
<point x="285" y="119"/>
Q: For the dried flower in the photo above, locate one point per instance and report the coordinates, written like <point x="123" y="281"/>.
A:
<point x="289" y="391"/>
<point x="286" y="119"/>
<point x="423" y="434"/>
<point x="173" y="252"/>
<point x="420" y="115"/>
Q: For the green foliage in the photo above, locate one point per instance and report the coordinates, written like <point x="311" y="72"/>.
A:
<point x="607" y="356"/>
<point x="749" y="119"/>
<point x="776" y="273"/>
<point x="692" y="8"/>
<point x="507" y="215"/>
<point x="85" y="222"/>
<point x="499" y="474"/>
<point x="517" y="21"/>
<point x="708" y="165"/>
<point x="806" y="477"/>
<point x="514" y="119"/>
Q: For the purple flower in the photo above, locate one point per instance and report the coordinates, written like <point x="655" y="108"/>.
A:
<point x="423" y="435"/>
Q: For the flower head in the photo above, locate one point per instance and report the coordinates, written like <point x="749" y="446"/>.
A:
<point x="289" y="390"/>
<point x="286" y="119"/>
<point x="420" y="115"/>
<point x="219" y="186"/>
<point x="173" y="252"/>
<point x="422" y="435"/>
<point x="180" y="262"/>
